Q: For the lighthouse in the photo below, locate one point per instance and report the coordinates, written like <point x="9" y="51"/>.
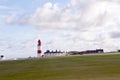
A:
<point x="39" y="51"/>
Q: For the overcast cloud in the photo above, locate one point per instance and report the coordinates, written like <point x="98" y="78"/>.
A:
<point x="77" y="25"/>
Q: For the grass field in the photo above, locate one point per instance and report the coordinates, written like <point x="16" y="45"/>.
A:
<point x="98" y="67"/>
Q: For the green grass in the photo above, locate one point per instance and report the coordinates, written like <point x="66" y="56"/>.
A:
<point x="98" y="67"/>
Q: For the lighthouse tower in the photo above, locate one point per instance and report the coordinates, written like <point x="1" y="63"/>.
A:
<point x="39" y="51"/>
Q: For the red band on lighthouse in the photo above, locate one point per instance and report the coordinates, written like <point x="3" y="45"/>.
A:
<point x="39" y="52"/>
<point x="39" y="43"/>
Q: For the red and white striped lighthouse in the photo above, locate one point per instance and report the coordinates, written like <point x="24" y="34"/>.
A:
<point x="39" y="51"/>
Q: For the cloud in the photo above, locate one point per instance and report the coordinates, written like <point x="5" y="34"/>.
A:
<point x="12" y="48"/>
<point x="82" y="24"/>
<point x="115" y="35"/>
<point x="49" y="16"/>
<point x="10" y="18"/>
<point x="7" y="14"/>
<point x="2" y="7"/>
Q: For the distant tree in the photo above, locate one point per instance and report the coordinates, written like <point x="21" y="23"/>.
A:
<point x="1" y="56"/>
